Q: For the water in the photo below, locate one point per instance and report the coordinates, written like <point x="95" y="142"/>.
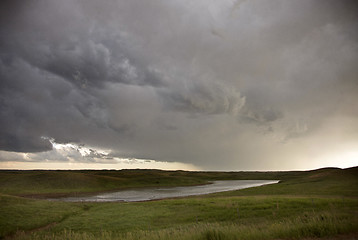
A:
<point x="146" y="194"/>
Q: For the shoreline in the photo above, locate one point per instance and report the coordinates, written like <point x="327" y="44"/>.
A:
<point x="49" y="196"/>
<point x="159" y="193"/>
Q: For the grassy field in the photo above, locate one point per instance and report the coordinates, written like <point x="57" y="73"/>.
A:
<point x="304" y="205"/>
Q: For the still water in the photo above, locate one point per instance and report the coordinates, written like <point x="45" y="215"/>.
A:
<point x="146" y="194"/>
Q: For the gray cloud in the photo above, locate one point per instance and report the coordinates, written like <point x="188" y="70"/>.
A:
<point x="36" y="104"/>
<point x="203" y="98"/>
<point x="204" y="82"/>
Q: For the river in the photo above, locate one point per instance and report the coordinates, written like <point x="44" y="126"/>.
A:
<point x="147" y="194"/>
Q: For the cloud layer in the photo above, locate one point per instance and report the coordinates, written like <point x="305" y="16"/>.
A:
<point x="217" y="84"/>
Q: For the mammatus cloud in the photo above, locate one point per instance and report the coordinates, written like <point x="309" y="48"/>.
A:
<point x="217" y="84"/>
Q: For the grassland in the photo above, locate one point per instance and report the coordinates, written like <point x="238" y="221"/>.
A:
<point x="311" y="204"/>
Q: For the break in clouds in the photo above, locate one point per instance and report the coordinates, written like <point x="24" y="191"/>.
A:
<point x="226" y="85"/>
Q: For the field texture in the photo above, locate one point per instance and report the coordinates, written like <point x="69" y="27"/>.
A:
<point x="320" y="204"/>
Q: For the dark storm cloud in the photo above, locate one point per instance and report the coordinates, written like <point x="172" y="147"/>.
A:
<point x="63" y="40"/>
<point x="203" y="98"/>
<point x="200" y="82"/>
<point x="35" y="104"/>
<point x="51" y="64"/>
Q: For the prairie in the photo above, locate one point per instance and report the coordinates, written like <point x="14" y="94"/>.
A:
<point x="321" y="203"/>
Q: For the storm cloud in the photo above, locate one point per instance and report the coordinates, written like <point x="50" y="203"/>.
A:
<point x="217" y="84"/>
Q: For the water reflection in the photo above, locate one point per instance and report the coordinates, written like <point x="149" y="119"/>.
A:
<point x="146" y="194"/>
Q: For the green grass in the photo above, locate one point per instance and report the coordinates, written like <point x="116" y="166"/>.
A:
<point x="74" y="182"/>
<point x="210" y="218"/>
<point x="322" y="182"/>
<point x="170" y="213"/>
<point x="25" y="214"/>
<point x="309" y="204"/>
<point x="71" y="182"/>
<point x="299" y="228"/>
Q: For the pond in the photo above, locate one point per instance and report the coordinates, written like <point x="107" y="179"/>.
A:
<point x="147" y="194"/>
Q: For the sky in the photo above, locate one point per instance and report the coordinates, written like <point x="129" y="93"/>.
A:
<point x="178" y="84"/>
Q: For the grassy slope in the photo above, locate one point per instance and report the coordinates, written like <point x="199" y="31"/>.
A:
<point x="25" y="214"/>
<point x="67" y="182"/>
<point x="304" y="204"/>
<point x="203" y="218"/>
<point x="328" y="182"/>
